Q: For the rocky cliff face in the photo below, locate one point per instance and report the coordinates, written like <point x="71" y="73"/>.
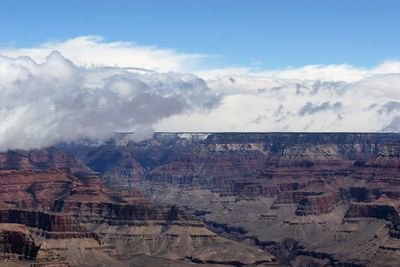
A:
<point x="272" y="187"/>
<point x="318" y="204"/>
<point x="16" y="241"/>
<point x="49" y="222"/>
<point x="41" y="159"/>
<point x="291" y="167"/>
<point x="65" y="216"/>
<point x="223" y="160"/>
<point x="310" y="199"/>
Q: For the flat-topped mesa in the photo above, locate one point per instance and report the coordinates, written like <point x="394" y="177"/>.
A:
<point x="382" y="208"/>
<point x="254" y="189"/>
<point x="275" y="138"/>
<point x="310" y="202"/>
<point x="363" y="194"/>
<point x="16" y="241"/>
<point x="132" y="214"/>
<point x="297" y="148"/>
<point x="318" y="204"/>
<point x="290" y="197"/>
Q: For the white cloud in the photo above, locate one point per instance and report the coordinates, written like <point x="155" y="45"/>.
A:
<point x="94" y="51"/>
<point x="312" y="98"/>
<point x="331" y="73"/>
<point x="311" y="72"/>
<point x="42" y="104"/>
<point x="387" y="67"/>
<point x="105" y="87"/>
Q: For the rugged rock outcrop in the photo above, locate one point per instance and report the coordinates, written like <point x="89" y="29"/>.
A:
<point x="33" y="189"/>
<point x="317" y="198"/>
<point x="41" y="159"/>
<point x="385" y="211"/>
<point x="254" y="189"/>
<point x="319" y="189"/>
<point x="383" y="208"/>
<point x="50" y="222"/>
<point x="71" y="219"/>
<point x="16" y="241"/>
<point x="237" y="161"/>
<point x="318" y="204"/>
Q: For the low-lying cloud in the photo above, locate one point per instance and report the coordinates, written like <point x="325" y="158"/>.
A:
<point x="92" y="88"/>
<point x="322" y="100"/>
<point x="56" y="101"/>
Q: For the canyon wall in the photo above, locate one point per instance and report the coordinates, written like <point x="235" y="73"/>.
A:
<point x="336" y="194"/>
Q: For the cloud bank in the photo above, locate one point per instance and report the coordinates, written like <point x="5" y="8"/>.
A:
<point x="94" y="51"/>
<point x="92" y="88"/>
<point x="370" y="102"/>
<point x="56" y="101"/>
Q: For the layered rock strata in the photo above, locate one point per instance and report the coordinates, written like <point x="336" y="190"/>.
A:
<point x="69" y="218"/>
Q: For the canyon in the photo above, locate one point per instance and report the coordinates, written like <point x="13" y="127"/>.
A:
<point x="207" y="199"/>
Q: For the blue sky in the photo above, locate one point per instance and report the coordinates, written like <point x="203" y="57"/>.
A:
<point x="265" y="34"/>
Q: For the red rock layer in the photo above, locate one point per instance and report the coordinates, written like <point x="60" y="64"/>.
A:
<point x="41" y="220"/>
<point x="295" y="196"/>
<point x="384" y="208"/>
<point x="120" y="214"/>
<point x="264" y="189"/>
<point x="318" y="204"/>
<point x="293" y="168"/>
<point x="16" y="240"/>
<point x="23" y="189"/>
<point x="253" y="164"/>
<point x="41" y="159"/>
